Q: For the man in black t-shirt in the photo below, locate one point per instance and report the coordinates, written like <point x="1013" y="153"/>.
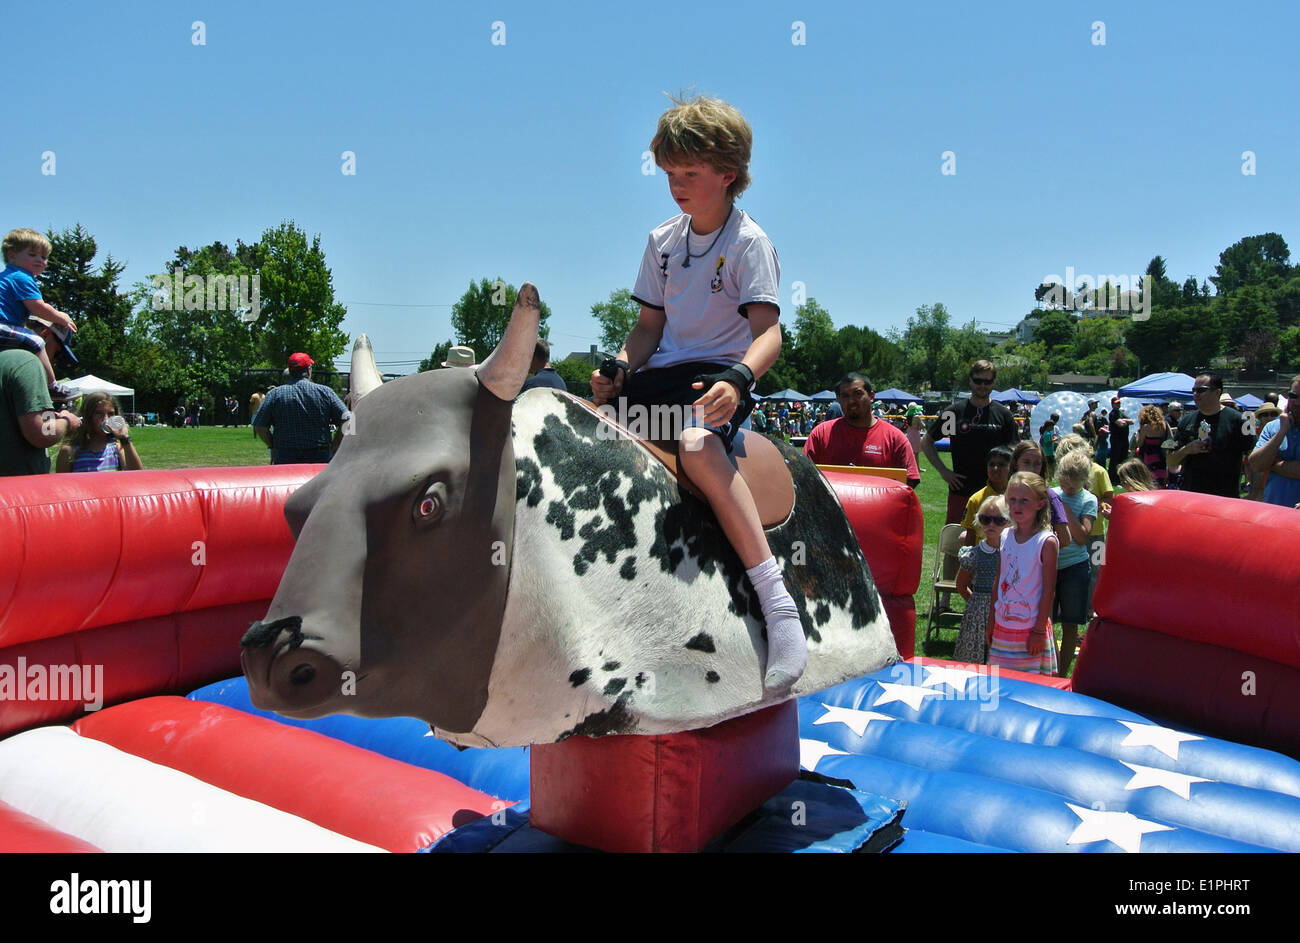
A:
<point x="973" y="426"/>
<point x="1212" y="463"/>
<point x="1119" y="424"/>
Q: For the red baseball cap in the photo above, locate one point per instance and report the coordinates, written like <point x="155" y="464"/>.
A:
<point x="300" y="360"/>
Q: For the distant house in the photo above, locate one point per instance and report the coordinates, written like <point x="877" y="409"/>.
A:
<point x="1079" y="382"/>
<point x="594" y="357"/>
<point x="1024" y="331"/>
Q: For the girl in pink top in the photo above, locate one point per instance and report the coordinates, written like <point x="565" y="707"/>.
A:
<point x="1021" y="636"/>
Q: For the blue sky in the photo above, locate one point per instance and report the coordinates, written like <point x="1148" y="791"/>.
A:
<point x="523" y="160"/>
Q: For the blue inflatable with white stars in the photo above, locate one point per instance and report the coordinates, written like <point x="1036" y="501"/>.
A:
<point x="986" y="763"/>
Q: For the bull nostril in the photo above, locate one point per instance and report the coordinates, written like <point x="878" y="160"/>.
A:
<point x="302" y="674"/>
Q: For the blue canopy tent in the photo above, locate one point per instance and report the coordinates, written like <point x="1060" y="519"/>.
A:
<point x="1248" y="401"/>
<point x="892" y="395"/>
<point x="1014" y="395"/>
<point x="1158" y="386"/>
<point x="788" y="395"/>
<point x="823" y="396"/>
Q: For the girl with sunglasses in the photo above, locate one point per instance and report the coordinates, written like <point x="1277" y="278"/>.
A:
<point x="978" y="571"/>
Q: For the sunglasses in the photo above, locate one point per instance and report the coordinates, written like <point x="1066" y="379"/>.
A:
<point x="1202" y="389"/>
<point x="982" y="381"/>
<point x="992" y="519"/>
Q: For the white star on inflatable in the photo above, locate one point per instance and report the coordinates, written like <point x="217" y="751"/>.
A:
<point x="953" y="677"/>
<point x="1162" y="738"/>
<point x="812" y="752"/>
<point x="909" y="694"/>
<point x="1123" y="828"/>
<point x="1145" y="777"/>
<point x="855" y="720"/>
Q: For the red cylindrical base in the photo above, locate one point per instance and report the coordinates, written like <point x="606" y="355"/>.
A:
<point x="673" y="792"/>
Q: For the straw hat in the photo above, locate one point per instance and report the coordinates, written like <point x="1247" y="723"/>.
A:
<point x="460" y="357"/>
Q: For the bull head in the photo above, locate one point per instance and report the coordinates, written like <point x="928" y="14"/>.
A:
<point x="414" y="516"/>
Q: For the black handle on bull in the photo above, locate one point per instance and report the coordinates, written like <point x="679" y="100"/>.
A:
<point x="609" y="368"/>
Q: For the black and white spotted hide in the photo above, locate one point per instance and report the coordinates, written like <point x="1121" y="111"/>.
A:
<point x="628" y="611"/>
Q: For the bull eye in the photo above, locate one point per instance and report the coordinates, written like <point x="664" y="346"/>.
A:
<point x="431" y="504"/>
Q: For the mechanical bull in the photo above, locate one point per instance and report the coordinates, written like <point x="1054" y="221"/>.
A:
<point x="520" y="572"/>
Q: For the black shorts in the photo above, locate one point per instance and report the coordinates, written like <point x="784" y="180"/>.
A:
<point x="672" y="387"/>
<point x="1070" y="605"/>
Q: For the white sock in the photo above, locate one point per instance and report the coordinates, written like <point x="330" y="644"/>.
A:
<point x="787" y="650"/>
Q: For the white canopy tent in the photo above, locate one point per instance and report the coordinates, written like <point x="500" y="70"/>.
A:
<point x="93" y="384"/>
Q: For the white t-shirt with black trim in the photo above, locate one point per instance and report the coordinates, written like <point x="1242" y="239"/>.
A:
<point x="705" y="302"/>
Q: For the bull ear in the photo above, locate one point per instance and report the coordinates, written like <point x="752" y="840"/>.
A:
<point x="504" y="372"/>
<point x="365" y="375"/>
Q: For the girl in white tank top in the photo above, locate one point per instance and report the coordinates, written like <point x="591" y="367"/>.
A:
<point x="1021" y="637"/>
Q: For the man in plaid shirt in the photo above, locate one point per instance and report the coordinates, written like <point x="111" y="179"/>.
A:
<point x="294" y="418"/>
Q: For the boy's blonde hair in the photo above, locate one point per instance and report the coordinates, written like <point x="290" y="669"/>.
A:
<point x="18" y="239"/>
<point x="705" y="131"/>
<point x="1076" y="467"/>
<point x="994" y="502"/>
<point x="1043" y="521"/>
<point x="1072" y="442"/>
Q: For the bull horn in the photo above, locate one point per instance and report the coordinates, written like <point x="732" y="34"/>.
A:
<point x="365" y="375"/>
<point x="504" y="372"/>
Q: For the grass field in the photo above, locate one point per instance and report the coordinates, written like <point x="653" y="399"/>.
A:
<point x="165" y="447"/>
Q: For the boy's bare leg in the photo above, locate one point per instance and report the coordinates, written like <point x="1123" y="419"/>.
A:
<point x="45" y="362"/>
<point x="706" y="462"/>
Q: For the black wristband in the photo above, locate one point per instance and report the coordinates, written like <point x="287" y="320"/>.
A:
<point x="748" y="374"/>
<point x="731" y="375"/>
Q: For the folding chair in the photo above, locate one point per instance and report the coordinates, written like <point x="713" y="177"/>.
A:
<point x="944" y="578"/>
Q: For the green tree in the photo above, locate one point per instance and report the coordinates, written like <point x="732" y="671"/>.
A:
<point x="862" y="350"/>
<point x="1056" y="331"/>
<point x="204" y="344"/>
<point x="1022" y="365"/>
<point x="89" y="293"/>
<point x="816" y="347"/>
<point x="1288" y="349"/>
<point x="1165" y="293"/>
<point x="1251" y="260"/>
<point x="1286" y="299"/>
<point x="925" y="337"/>
<point x="785" y="373"/>
<point x="1094" y="336"/>
<point x="576" y="375"/>
<point x="971" y="344"/>
<point x="616" y="318"/>
<point x="949" y="372"/>
<point x="298" y="310"/>
<point x="480" y="317"/>
<point x="1246" y="312"/>
<point x="434" y="360"/>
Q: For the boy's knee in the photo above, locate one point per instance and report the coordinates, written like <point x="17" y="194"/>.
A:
<point x="697" y="441"/>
